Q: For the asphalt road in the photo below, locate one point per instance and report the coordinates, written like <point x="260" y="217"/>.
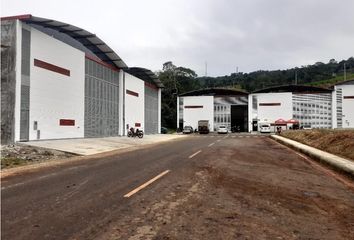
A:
<point x="85" y="199"/>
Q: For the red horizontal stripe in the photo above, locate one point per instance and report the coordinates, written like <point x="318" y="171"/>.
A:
<point x="269" y="104"/>
<point x="193" y="106"/>
<point x="99" y="61"/>
<point x="19" y="17"/>
<point x="67" y="122"/>
<point x="51" y="67"/>
<point x="348" y="97"/>
<point x="137" y="124"/>
<point x="135" y="94"/>
<point x="150" y="85"/>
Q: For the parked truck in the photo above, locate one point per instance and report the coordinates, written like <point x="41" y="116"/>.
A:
<point x="203" y="126"/>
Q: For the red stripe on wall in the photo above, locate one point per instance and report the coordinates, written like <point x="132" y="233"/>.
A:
<point x="150" y="85"/>
<point x="99" y="61"/>
<point x="51" y="67"/>
<point x="137" y="124"/>
<point x="269" y="104"/>
<point x="135" y="94"/>
<point x="19" y="17"/>
<point x="67" y="122"/>
<point x="193" y="106"/>
<point x="348" y="97"/>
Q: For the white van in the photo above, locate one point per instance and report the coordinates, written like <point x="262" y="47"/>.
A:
<point x="264" y="127"/>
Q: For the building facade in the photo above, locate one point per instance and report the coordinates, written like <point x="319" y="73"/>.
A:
<point x="60" y="81"/>
<point x="305" y="106"/>
<point x="221" y="107"/>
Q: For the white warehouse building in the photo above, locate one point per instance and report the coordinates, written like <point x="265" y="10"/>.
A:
<point x="287" y="106"/>
<point x="61" y="81"/>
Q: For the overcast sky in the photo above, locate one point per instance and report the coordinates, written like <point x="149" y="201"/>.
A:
<point x="248" y="34"/>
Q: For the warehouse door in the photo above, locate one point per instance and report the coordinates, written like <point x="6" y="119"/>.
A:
<point x="151" y="110"/>
<point x="239" y="117"/>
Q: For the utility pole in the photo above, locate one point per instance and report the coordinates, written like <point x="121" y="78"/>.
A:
<point x="345" y="73"/>
<point x="234" y="82"/>
<point x="206" y="69"/>
<point x="295" y="76"/>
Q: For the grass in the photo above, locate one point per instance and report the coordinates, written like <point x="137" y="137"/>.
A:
<point x="8" y="162"/>
<point x="338" y="142"/>
<point x="327" y="83"/>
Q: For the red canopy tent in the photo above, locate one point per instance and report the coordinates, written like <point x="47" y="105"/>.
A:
<point x="293" y="121"/>
<point x="280" y="122"/>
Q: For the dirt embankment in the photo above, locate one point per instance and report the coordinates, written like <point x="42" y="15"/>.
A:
<point x="18" y="155"/>
<point x="338" y="142"/>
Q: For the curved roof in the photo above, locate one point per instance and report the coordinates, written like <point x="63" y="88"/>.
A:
<point x="213" y="92"/>
<point x="73" y="35"/>
<point x="294" y="89"/>
<point x="146" y="75"/>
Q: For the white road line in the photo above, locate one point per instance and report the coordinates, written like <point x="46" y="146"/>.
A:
<point x="194" y="154"/>
<point x="240" y="136"/>
<point x="146" y="184"/>
<point x="11" y="186"/>
<point x="247" y="136"/>
<point x="218" y="140"/>
<point x="211" y="144"/>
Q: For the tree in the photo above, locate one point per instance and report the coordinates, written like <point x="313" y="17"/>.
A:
<point x="176" y="80"/>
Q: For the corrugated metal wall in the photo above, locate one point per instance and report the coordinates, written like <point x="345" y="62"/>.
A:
<point x="151" y="110"/>
<point x="101" y="100"/>
<point x="25" y="85"/>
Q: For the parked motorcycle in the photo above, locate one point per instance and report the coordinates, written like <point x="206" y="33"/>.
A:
<point x="138" y="133"/>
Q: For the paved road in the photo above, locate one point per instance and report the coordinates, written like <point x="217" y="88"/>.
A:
<point x="85" y="199"/>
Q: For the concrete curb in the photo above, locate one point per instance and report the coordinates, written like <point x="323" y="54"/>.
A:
<point x="339" y="163"/>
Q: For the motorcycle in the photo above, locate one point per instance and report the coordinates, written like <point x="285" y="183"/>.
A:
<point x="138" y="133"/>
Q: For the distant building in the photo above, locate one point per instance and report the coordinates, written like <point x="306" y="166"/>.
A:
<point x="289" y="106"/>
<point x="219" y="106"/>
<point x="61" y="81"/>
<point x="343" y="102"/>
<point x="311" y="106"/>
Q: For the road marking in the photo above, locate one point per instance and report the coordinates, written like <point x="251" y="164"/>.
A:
<point x="218" y="140"/>
<point x="129" y="194"/>
<point x="14" y="185"/>
<point x="194" y="154"/>
<point x="211" y="144"/>
<point x="240" y="136"/>
<point x="247" y="136"/>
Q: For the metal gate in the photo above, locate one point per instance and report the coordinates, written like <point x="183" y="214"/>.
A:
<point x="151" y="110"/>
<point x="101" y="100"/>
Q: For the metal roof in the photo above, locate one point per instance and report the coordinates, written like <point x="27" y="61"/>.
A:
<point x="87" y="39"/>
<point x="213" y="92"/>
<point x="294" y="89"/>
<point x="347" y="82"/>
<point x="146" y="75"/>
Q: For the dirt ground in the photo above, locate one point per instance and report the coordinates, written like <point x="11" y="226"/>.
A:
<point x="240" y="195"/>
<point x="19" y="154"/>
<point x="338" y="142"/>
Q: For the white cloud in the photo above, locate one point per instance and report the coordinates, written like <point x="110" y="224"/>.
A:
<point x="254" y="34"/>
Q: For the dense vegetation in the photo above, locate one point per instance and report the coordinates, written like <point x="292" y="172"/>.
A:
<point x="178" y="80"/>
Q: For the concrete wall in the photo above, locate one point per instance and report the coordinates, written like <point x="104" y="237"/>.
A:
<point x="8" y="80"/>
<point x="348" y="105"/>
<point x="134" y="102"/>
<point x="55" y="96"/>
<point x="272" y="106"/>
<point x="197" y="108"/>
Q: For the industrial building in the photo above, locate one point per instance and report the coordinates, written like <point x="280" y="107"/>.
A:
<point x="290" y="106"/>
<point x="61" y="81"/>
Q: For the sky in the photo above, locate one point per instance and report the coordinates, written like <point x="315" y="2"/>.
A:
<point x="213" y="37"/>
